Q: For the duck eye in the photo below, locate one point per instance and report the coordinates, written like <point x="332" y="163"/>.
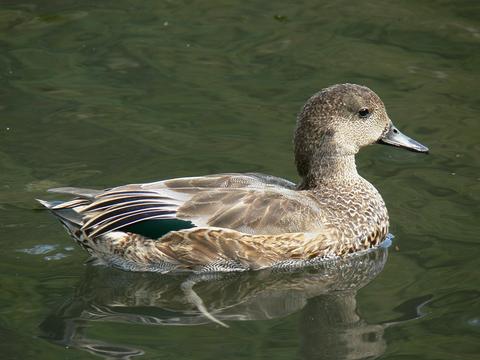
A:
<point x="363" y="112"/>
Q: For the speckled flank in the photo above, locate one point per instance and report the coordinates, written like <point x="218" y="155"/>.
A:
<point x="250" y="221"/>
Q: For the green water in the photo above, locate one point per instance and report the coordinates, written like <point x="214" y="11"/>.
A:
<point x="102" y="93"/>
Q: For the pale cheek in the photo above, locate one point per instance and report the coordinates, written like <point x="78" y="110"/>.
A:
<point x="370" y="133"/>
<point x="348" y="143"/>
<point x="357" y="135"/>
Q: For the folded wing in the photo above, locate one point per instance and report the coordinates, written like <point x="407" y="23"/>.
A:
<point x="249" y="203"/>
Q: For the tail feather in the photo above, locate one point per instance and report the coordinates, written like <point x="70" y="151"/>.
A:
<point x="69" y="218"/>
<point x="84" y="193"/>
<point x="48" y="204"/>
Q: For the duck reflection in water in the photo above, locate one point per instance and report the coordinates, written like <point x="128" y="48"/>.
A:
<point x="325" y="295"/>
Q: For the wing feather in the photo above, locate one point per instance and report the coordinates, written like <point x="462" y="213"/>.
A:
<point x="106" y="203"/>
<point x="120" y="211"/>
<point x="130" y="219"/>
<point x="251" y="203"/>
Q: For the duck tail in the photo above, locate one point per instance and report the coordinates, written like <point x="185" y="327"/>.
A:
<point x="70" y="219"/>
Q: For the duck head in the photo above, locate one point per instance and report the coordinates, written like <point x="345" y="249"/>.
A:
<point x="341" y="119"/>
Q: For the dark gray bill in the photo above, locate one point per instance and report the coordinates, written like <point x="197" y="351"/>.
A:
<point x="394" y="137"/>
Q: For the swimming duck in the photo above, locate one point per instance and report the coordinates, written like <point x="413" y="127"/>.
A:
<point x="251" y="221"/>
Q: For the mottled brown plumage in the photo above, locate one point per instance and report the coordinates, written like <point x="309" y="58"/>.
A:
<point x="252" y="221"/>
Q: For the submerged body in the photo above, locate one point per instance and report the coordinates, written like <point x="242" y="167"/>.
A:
<point x="235" y="222"/>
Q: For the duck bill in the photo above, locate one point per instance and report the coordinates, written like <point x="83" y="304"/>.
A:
<point x="394" y="137"/>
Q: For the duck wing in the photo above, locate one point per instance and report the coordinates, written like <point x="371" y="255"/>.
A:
<point x="249" y="203"/>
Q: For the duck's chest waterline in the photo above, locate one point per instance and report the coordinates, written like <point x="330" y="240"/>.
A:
<point x="354" y="213"/>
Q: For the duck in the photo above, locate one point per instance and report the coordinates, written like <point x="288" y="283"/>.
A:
<point x="249" y="221"/>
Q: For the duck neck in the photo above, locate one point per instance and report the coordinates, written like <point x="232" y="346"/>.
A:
<point x="329" y="169"/>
